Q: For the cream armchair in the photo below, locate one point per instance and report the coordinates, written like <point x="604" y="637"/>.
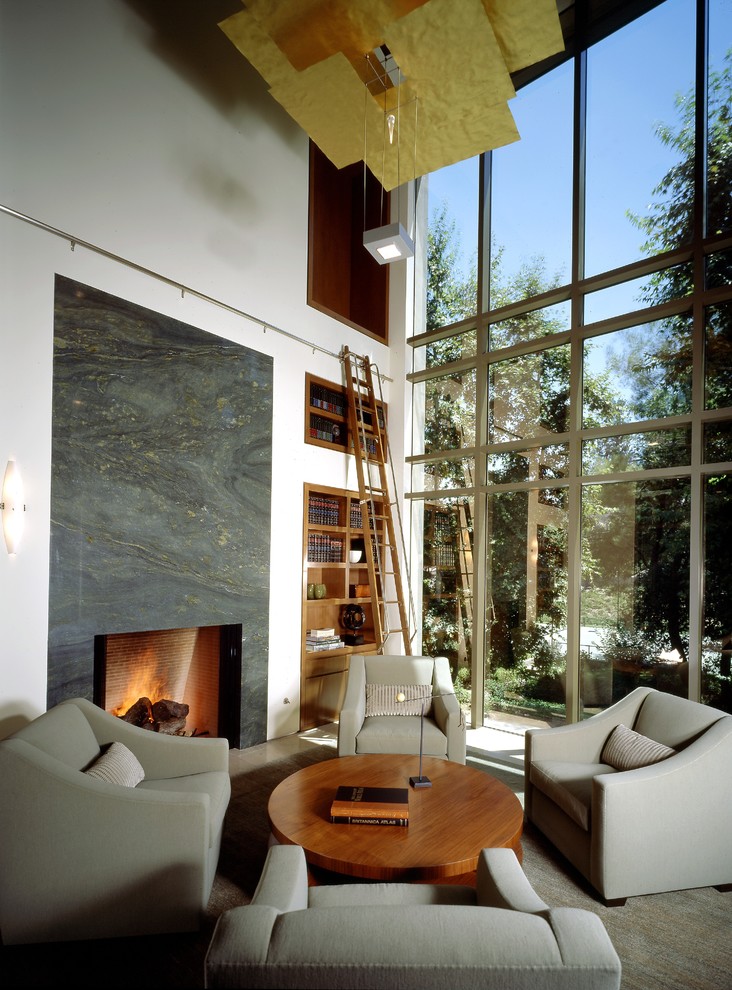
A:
<point x="82" y="857"/>
<point x="661" y="826"/>
<point x="359" y="731"/>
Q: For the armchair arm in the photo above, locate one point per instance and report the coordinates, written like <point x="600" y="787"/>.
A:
<point x="644" y="818"/>
<point x="74" y="838"/>
<point x="284" y="881"/>
<point x="353" y="711"/>
<point x="501" y="882"/>
<point x="447" y="711"/>
<point x="161" y="756"/>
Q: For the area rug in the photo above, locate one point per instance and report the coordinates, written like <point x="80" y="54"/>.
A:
<point x="674" y="941"/>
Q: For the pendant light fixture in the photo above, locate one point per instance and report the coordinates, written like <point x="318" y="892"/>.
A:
<point x="389" y="242"/>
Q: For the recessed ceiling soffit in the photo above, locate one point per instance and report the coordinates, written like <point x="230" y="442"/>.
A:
<point x="441" y="68"/>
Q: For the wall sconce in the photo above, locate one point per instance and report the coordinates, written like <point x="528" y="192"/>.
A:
<point x="13" y="507"/>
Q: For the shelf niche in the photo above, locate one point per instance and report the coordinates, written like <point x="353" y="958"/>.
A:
<point x="326" y="415"/>
<point x="332" y="524"/>
<point x="344" y="280"/>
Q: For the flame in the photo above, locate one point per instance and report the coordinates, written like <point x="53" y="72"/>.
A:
<point x="145" y="682"/>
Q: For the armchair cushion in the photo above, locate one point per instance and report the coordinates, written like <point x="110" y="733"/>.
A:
<point x="569" y="786"/>
<point x="628" y="750"/>
<point x="117" y="765"/>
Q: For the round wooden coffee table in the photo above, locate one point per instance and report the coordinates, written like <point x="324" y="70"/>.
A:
<point x="464" y="811"/>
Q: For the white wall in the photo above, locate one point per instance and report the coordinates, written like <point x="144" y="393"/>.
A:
<point x="113" y="131"/>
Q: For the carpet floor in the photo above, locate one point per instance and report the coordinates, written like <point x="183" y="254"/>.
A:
<point x="674" y="941"/>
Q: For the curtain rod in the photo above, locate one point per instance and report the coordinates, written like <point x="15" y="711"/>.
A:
<point x="264" y="324"/>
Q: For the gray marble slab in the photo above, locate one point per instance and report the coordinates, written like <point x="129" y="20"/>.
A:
<point x="161" y="487"/>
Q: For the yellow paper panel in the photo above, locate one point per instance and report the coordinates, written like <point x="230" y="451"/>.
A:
<point x="328" y="101"/>
<point x="452" y="52"/>
<point x="257" y="47"/>
<point x="527" y="30"/>
<point x="443" y="137"/>
<point x="309" y="31"/>
<point x="431" y="44"/>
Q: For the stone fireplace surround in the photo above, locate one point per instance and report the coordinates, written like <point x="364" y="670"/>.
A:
<point x="161" y="481"/>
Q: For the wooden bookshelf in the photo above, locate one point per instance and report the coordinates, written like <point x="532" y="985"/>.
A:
<point x="332" y="525"/>
<point x="326" y="415"/>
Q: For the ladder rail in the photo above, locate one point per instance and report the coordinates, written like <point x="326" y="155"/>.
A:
<point x="405" y="553"/>
<point x="381" y="539"/>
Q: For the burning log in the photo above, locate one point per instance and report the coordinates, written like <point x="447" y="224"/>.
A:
<point x="168" y="717"/>
<point x="139" y="714"/>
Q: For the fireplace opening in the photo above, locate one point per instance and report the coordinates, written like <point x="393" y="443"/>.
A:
<point x="174" y="681"/>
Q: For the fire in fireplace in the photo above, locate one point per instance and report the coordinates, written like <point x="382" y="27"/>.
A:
<point x="168" y="680"/>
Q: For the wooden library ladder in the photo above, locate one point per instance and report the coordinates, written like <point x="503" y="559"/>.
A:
<point x="370" y="447"/>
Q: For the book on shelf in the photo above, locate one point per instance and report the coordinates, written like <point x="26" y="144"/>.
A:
<point x="320" y="633"/>
<point x="366" y="820"/>
<point x="371" y="802"/>
<point x="331" y="643"/>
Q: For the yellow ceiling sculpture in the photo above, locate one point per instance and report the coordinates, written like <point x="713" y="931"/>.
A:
<point x="449" y="96"/>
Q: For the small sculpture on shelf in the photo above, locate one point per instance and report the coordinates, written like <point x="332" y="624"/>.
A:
<point x="353" y="617"/>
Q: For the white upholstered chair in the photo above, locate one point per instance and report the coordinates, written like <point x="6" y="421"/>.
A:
<point x="373" y="720"/>
<point x="663" y="825"/>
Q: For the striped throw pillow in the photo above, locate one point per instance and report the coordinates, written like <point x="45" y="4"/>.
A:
<point x="117" y="765"/>
<point x="382" y="699"/>
<point x="628" y="750"/>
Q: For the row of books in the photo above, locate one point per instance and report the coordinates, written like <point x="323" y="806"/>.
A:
<point x="370" y="806"/>
<point x="326" y="429"/>
<point x="326" y="398"/>
<point x="325" y="549"/>
<point x="357" y="518"/>
<point x="323" y="511"/>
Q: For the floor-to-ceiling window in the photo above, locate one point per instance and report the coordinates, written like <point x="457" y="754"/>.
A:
<point x="572" y="459"/>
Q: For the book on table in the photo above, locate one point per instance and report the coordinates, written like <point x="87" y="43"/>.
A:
<point x="371" y="806"/>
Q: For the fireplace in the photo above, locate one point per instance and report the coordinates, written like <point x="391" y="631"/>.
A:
<point x="197" y="669"/>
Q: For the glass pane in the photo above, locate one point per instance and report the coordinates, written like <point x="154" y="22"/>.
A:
<point x="719" y="121"/>
<point x="530" y="326"/>
<point x="449" y="411"/>
<point x="451" y="349"/>
<point x="531" y="207"/>
<point x="438" y="475"/>
<point x="719" y="269"/>
<point x="529" y="395"/>
<point x="717" y="644"/>
<point x="643" y="372"/>
<point x="452" y="243"/>
<point x="717" y="442"/>
<point x="671" y="283"/>
<point x="447" y="585"/>
<point x="635" y="588"/>
<point x="633" y="116"/>
<point x="536" y="464"/>
<point x="637" y="451"/>
<point x="526" y="642"/>
<point x="718" y="357"/>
